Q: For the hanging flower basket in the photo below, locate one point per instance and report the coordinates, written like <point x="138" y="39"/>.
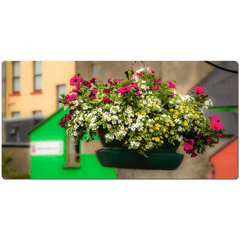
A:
<point x="140" y="120"/>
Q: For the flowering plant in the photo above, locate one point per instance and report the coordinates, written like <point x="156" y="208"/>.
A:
<point x="142" y="111"/>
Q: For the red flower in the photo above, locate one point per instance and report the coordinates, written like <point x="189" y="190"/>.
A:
<point x="194" y="154"/>
<point x="208" y="139"/>
<point x="106" y="100"/>
<point x="198" y="136"/>
<point x="93" y="80"/>
<point x="62" y="124"/>
<point x="107" y="90"/>
<point x="91" y="98"/>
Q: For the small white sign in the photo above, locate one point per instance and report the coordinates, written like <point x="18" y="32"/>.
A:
<point x="46" y="148"/>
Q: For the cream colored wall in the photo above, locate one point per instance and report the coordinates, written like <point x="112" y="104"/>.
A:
<point x="54" y="73"/>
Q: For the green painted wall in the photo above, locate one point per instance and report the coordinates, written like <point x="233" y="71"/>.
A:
<point x="52" y="167"/>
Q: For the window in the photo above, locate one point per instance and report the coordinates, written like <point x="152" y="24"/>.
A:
<point x="37" y="113"/>
<point x="95" y="71"/>
<point x="16" y="77"/>
<point x="37" y="76"/>
<point x="14" y="134"/>
<point x="15" y="114"/>
<point x="73" y="152"/>
<point x="61" y="89"/>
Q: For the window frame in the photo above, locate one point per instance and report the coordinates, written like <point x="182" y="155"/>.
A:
<point x="16" y="112"/>
<point x="75" y="164"/>
<point x="36" y="75"/>
<point x="97" y="64"/>
<point x="59" y="96"/>
<point x="18" y="77"/>
<point x="33" y="112"/>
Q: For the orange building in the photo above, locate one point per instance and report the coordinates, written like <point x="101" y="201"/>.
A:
<point x="224" y="163"/>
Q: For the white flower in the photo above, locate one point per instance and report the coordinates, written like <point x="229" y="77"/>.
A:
<point x="109" y="126"/>
<point x="100" y="110"/>
<point x="150" y="92"/>
<point x="150" y="144"/>
<point x="195" y="128"/>
<point x="180" y="129"/>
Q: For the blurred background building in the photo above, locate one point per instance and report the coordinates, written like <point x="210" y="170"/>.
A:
<point x="31" y="89"/>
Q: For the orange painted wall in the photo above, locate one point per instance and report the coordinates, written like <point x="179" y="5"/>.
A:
<point x="225" y="161"/>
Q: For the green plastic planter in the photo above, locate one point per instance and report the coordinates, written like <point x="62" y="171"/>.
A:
<point x="114" y="155"/>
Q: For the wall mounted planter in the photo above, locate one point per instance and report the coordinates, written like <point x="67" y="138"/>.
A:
<point x="114" y="154"/>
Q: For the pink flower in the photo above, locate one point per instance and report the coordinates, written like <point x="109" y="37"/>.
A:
<point x="156" y="87"/>
<point x="208" y="139"/>
<point x="135" y="86"/>
<point x="219" y="134"/>
<point x="93" y="92"/>
<point x="194" y="154"/>
<point x="199" y="90"/>
<point x="216" y="141"/>
<point x="187" y="146"/>
<point x="191" y="141"/>
<point x="157" y="80"/>
<point x="71" y="112"/>
<point x="139" y="74"/>
<point x="140" y="70"/>
<point x="134" y="77"/>
<point x="172" y="93"/>
<point x="68" y="117"/>
<point x="76" y="90"/>
<point x="124" y="90"/>
<point x="75" y="80"/>
<point x="216" y="126"/>
<point x="138" y="93"/>
<point x="71" y="97"/>
<point x="171" y="85"/>
<point x="214" y="118"/>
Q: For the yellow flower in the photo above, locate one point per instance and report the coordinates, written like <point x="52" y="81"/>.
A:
<point x="143" y="112"/>
<point x="158" y="125"/>
<point x="172" y="124"/>
<point x="172" y="132"/>
<point x="182" y="111"/>
<point x="157" y="128"/>
<point x="171" y="110"/>
<point x="175" y="116"/>
<point x="157" y="139"/>
<point x="147" y="116"/>
<point x="147" y="147"/>
<point x="187" y="107"/>
<point x="161" y="137"/>
<point x="150" y="130"/>
<point x="158" y="104"/>
<point x="156" y="118"/>
<point x="153" y="138"/>
<point x="162" y="141"/>
<point x="176" y="113"/>
<point x="166" y="136"/>
<point x="139" y="138"/>
<point x="137" y="114"/>
<point x="129" y="147"/>
<point x="164" y="130"/>
<point x="148" y="111"/>
<point x="167" y="124"/>
<point x="151" y="126"/>
<point x="185" y="123"/>
<point x="154" y="104"/>
<point x="139" y="143"/>
<point x="139" y="104"/>
<point x="197" y="116"/>
<point x="192" y="124"/>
